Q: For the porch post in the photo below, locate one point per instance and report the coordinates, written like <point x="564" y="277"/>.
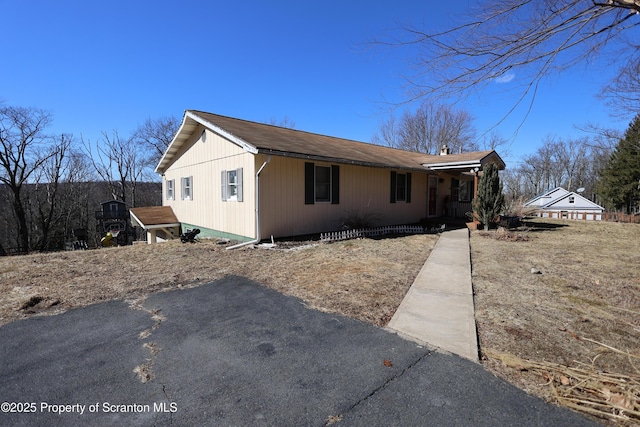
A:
<point x="476" y="220"/>
<point x="475" y="184"/>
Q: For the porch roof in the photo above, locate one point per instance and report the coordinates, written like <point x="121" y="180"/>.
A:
<point x="151" y="217"/>
<point x="464" y="161"/>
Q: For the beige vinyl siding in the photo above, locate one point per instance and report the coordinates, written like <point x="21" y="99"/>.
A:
<point x="204" y="160"/>
<point x="362" y="189"/>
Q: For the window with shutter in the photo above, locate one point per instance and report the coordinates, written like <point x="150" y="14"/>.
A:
<point x="400" y="187"/>
<point x="231" y="185"/>
<point x="321" y="183"/>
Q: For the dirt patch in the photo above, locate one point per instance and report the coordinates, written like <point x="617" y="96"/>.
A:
<point x="363" y="278"/>
<point x="581" y="311"/>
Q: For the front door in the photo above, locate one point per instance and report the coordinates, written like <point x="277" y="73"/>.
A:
<point x="432" y="199"/>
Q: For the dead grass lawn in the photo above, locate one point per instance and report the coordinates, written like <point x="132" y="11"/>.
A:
<point x="582" y="312"/>
<point x="365" y="278"/>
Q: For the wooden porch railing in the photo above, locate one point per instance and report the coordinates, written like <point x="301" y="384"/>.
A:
<point x="457" y="209"/>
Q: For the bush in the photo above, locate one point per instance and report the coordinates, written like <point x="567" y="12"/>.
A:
<point x="355" y="219"/>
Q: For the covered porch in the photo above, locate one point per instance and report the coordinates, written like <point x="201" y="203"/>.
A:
<point x="457" y="177"/>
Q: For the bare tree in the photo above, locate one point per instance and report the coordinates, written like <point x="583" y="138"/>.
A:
<point x="284" y="123"/>
<point x="156" y="135"/>
<point x="568" y="163"/>
<point x="113" y="162"/>
<point x="530" y="38"/>
<point x="572" y="159"/>
<point x="75" y="207"/>
<point x="429" y="128"/>
<point x="24" y="148"/>
<point x="388" y="133"/>
<point x="495" y="141"/>
<point x="47" y="184"/>
<point x="623" y="92"/>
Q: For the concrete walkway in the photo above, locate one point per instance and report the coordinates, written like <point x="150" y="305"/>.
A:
<point x="438" y="309"/>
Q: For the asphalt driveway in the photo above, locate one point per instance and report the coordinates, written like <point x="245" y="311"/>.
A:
<point x="233" y="353"/>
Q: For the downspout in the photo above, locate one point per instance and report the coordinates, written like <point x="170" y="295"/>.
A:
<point x="258" y="238"/>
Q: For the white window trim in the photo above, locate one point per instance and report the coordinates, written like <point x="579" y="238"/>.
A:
<point x="171" y="188"/>
<point x="186" y="188"/>
<point x="227" y="186"/>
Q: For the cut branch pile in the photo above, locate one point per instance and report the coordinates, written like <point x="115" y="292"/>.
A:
<point x="583" y="388"/>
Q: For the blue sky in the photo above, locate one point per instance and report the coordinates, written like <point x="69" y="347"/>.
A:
<point x="111" y="65"/>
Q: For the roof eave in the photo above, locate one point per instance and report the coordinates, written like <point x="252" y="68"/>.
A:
<point x="417" y="168"/>
<point x="176" y="142"/>
<point x="467" y="164"/>
<point x="453" y="165"/>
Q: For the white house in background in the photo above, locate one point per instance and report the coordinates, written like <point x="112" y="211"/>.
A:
<point x="547" y="197"/>
<point x="244" y="180"/>
<point x="563" y="204"/>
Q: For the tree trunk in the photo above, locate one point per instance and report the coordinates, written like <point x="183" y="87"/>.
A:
<point x="21" y="218"/>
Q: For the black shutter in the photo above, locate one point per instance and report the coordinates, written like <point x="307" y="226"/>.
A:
<point x="393" y="187"/>
<point x="335" y="184"/>
<point x="309" y="183"/>
<point x="408" y="187"/>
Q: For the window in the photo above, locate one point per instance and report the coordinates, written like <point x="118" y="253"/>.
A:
<point x="461" y="191"/>
<point x="231" y="182"/>
<point x="465" y="193"/>
<point x="455" y="189"/>
<point x="187" y="188"/>
<point x="170" y="186"/>
<point x="400" y="187"/>
<point x="322" y="184"/>
<point x="572" y="199"/>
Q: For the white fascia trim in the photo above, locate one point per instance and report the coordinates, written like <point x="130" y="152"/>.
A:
<point x="149" y="227"/>
<point x="467" y="164"/>
<point x="156" y="170"/>
<point x="591" y="205"/>
<point x="242" y="143"/>
<point x="135" y="218"/>
<point x="156" y="226"/>
<point x="545" y="194"/>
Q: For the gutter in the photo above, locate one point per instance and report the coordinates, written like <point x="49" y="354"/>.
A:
<point x="258" y="238"/>
<point x="340" y="160"/>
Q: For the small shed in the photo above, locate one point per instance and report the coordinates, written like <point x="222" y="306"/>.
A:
<point x="159" y="222"/>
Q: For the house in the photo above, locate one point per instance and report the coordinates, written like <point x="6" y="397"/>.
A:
<point x="546" y="197"/>
<point x="244" y="180"/>
<point x="561" y="203"/>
